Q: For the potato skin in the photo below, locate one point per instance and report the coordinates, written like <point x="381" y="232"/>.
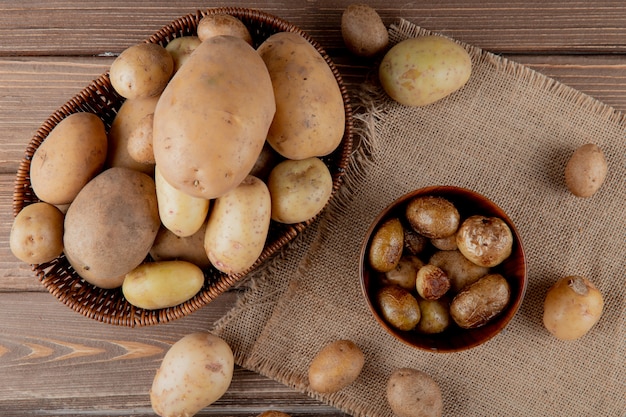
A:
<point x="195" y="372"/>
<point x="73" y="153"/>
<point x="222" y="24"/>
<point x="238" y="225"/>
<point x="385" y="249"/>
<point x="111" y="225"/>
<point x="585" y="171"/>
<point x="420" y="71"/>
<point x="181" y="48"/>
<point x="405" y="272"/>
<point x="479" y="302"/>
<point x="484" y="240"/>
<point x="310" y="115"/>
<point x="432" y="216"/>
<point x="460" y="270"/>
<point x="300" y="189"/>
<point x="167" y="246"/>
<point x="37" y="233"/>
<point x="398" y="307"/>
<point x="336" y="366"/>
<point x="238" y="104"/>
<point x="413" y="393"/>
<point x="141" y="70"/>
<point x="154" y="285"/>
<point x="363" y="31"/>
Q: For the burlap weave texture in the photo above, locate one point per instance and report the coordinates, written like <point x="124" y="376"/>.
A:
<point x="508" y="135"/>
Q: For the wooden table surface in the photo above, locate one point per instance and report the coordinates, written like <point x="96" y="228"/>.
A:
<point x="54" y="361"/>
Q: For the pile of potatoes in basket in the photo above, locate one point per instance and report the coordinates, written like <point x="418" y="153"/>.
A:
<point x="214" y="140"/>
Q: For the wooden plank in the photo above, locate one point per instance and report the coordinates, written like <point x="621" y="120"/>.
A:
<point x="79" y="356"/>
<point x="72" y="28"/>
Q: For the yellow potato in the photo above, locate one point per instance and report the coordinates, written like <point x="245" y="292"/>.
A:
<point x="181" y="48"/>
<point x="37" y="233"/>
<point x="181" y="213"/>
<point x="141" y="70"/>
<point x="110" y="226"/>
<point x="154" y="285"/>
<point x="222" y="24"/>
<point x="420" y="71"/>
<point x="336" y="366"/>
<point x="310" y="115"/>
<point x="73" y="153"/>
<point x="195" y="372"/>
<point x="211" y="121"/>
<point x="167" y="247"/>
<point x="300" y="189"/>
<point x="238" y="226"/>
<point x="586" y="170"/>
<point x="126" y="122"/>
<point x="139" y="143"/>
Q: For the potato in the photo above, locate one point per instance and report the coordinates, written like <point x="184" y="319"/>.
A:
<point x="573" y="305"/>
<point x="264" y="164"/>
<point x="179" y="212"/>
<point x="141" y="70"/>
<point x="125" y="124"/>
<point x="413" y="393"/>
<point x="405" y="272"/>
<point x="432" y="216"/>
<point x="485" y="240"/>
<point x="414" y="243"/>
<point x="139" y="145"/>
<point x="167" y="246"/>
<point x="37" y="233"/>
<point x="195" y="372"/>
<point x="458" y="268"/>
<point x="181" y="48"/>
<point x="398" y="307"/>
<point x="238" y="226"/>
<point x="222" y="24"/>
<point x="481" y="301"/>
<point x="420" y="71"/>
<point x="435" y="315"/>
<point x="154" y="285"/>
<point x="300" y="189"/>
<point x="586" y="170"/>
<point x="335" y="367"/>
<point x="237" y="104"/>
<point x="71" y="155"/>
<point x="110" y="226"/>
<point x="310" y="116"/>
<point x="385" y="249"/>
<point x="445" y="243"/>
<point x="363" y="31"/>
<point x="431" y="282"/>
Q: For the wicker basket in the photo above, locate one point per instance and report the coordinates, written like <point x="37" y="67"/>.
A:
<point x="98" y="97"/>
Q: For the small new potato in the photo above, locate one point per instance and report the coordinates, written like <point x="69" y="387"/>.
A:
<point x="300" y="189"/>
<point x="195" y="372"/>
<point x="435" y="315"/>
<point x="363" y="31"/>
<point x="481" y="301"/>
<point x="460" y="270"/>
<point x="385" y="249"/>
<point x="181" y="213"/>
<point x="414" y="243"/>
<point x="404" y="273"/>
<point x="181" y="48"/>
<point x="431" y="282"/>
<point x="573" y="305"/>
<point x="222" y="24"/>
<point x="37" y="233"/>
<point x="141" y="70"/>
<point x="238" y="226"/>
<point x="71" y="155"/>
<point x="168" y="246"/>
<point x="420" y="71"/>
<point x="432" y="216"/>
<point x="154" y="285"/>
<point x="336" y="366"/>
<point x="413" y="393"/>
<point x="586" y="170"/>
<point x="399" y="307"/>
<point x="139" y="145"/>
<point x="484" y="240"/>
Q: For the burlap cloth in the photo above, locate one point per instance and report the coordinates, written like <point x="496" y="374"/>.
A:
<point x="508" y="135"/>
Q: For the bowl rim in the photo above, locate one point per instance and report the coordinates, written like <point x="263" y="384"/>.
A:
<point x="497" y="325"/>
<point x="109" y="305"/>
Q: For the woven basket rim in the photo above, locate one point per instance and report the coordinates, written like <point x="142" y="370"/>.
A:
<point x="109" y="306"/>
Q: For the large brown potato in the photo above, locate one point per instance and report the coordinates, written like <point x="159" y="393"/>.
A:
<point x="111" y="225"/>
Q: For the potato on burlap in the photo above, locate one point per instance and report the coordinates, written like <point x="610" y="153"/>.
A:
<point x="336" y="366"/>
<point x="586" y="170"/>
<point x="413" y="393"/>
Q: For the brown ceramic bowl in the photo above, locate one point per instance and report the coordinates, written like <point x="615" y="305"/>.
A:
<point x="454" y="338"/>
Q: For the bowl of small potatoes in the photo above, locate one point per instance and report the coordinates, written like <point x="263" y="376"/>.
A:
<point x="443" y="269"/>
